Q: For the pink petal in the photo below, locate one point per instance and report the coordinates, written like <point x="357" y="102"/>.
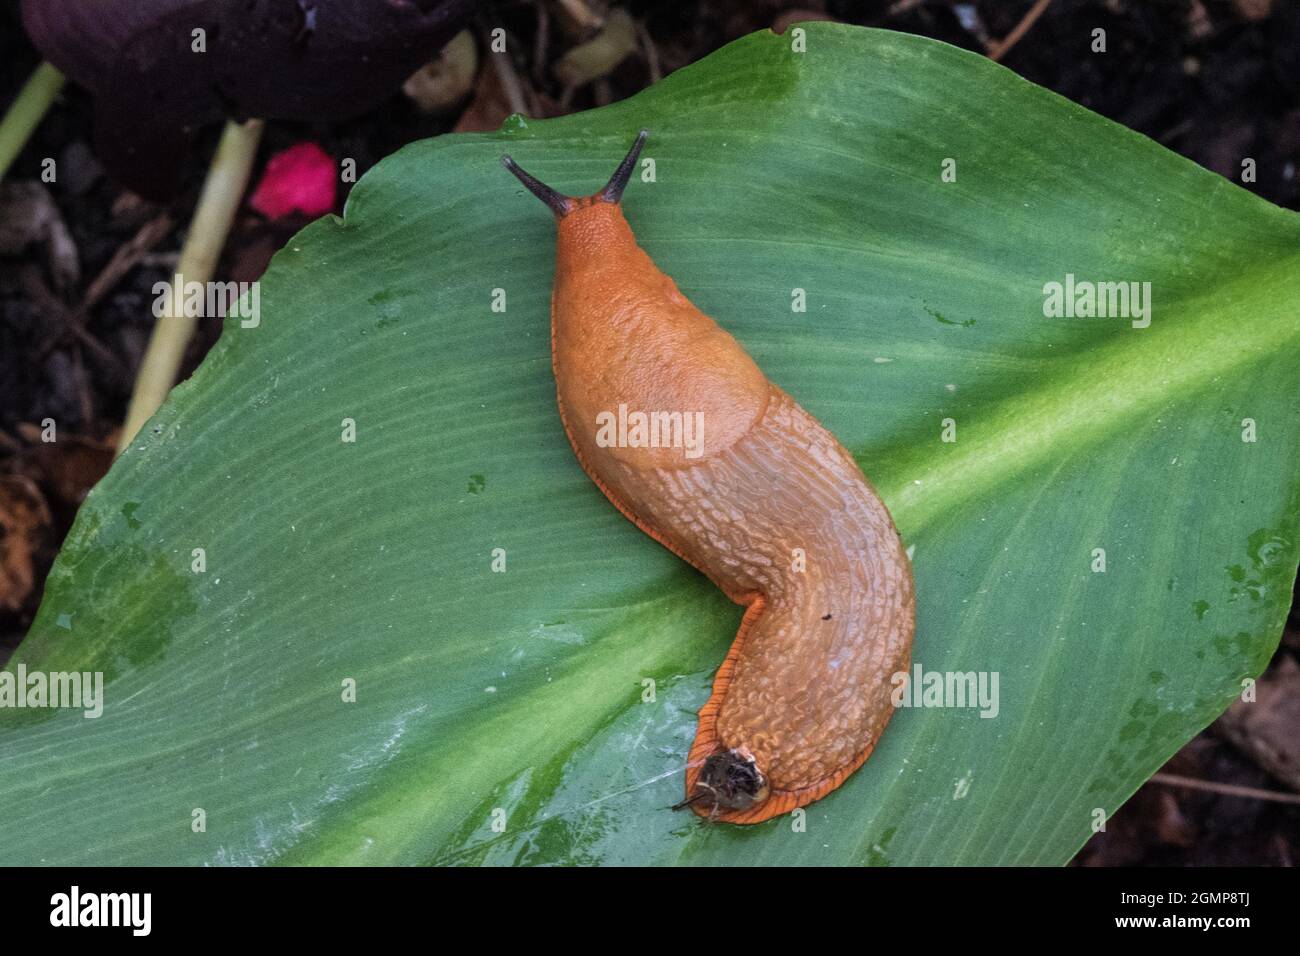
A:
<point x="302" y="178"/>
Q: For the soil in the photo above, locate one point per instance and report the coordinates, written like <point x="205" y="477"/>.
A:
<point x="1211" y="79"/>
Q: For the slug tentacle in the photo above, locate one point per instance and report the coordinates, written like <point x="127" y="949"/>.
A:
<point x="753" y="492"/>
<point x="613" y="191"/>
<point x="560" y="204"/>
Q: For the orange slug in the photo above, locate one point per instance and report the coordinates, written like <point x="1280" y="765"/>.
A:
<point x="684" y="434"/>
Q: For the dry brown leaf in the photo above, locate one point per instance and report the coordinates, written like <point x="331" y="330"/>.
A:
<point x="29" y="216"/>
<point x="1265" y="729"/>
<point x="439" y="85"/>
<point x="598" y="56"/>
<point x="1254" y="10"/>
<point x="788" y="18"/>
<point x="24" y="521"/>
<point x="489" y="108"/>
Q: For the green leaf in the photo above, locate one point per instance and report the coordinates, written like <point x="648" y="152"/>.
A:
<point x="523" y="691"/>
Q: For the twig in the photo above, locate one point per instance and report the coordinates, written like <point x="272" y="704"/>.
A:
<point x="83" y="387"/>
<point x="510" y="84"/>
<point x="998" y="50"/>
<point x="46" y="301"/>
<point x="1283" y="851"/>
<point x="541" y="42"/>
<point x="222" y="190"/>
<point x="1230" y="789"/>
<point x="125" y="259"/>
<point x="902" y="6"/>
<point x="26" y="111"/>
<point x="1178" y="129"/>
<point x="651" y="53"/>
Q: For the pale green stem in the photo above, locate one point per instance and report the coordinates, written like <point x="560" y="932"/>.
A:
<point x="222" y="190"/>
<point x="25" y="112"/>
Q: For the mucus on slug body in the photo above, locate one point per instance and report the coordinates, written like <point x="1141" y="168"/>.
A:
<point x="803" y="694"/>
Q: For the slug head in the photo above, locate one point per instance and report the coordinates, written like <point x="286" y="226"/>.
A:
<point x="729" y="780"/>
<point x="561" y="204"/>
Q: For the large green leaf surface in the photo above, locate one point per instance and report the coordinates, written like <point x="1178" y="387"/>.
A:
<point x="520" y="698"/>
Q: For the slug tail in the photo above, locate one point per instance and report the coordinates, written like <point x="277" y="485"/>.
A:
<point x="708" y="742"/>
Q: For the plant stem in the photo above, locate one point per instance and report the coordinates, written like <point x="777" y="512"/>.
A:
<point x="222" y="190"/>
<point x="25" y="112"/>
<point x="1255" y="793"/>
